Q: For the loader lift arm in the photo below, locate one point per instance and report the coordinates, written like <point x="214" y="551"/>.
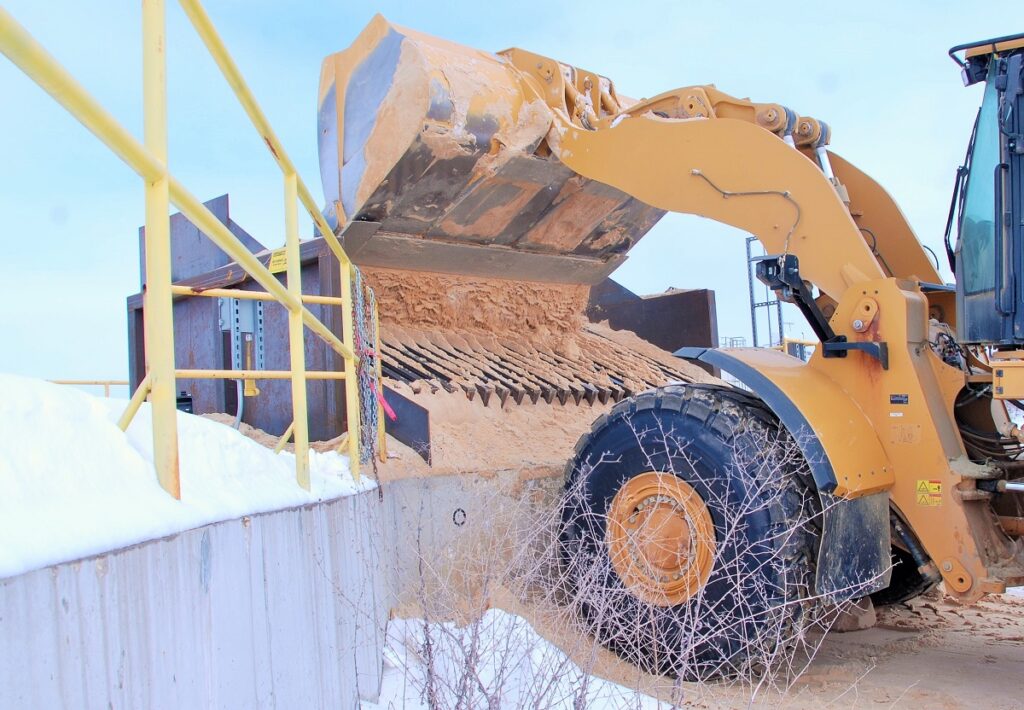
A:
<point x="755" y="166"/>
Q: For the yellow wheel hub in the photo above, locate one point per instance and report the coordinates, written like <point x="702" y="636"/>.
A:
<point x="660" y="538"/>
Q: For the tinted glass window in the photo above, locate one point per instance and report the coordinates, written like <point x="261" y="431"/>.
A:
<point x="977" y="229"/>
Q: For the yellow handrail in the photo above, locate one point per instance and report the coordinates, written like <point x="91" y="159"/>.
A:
<point x="794" y="341"/>
<point x="295" y="188"/>
<point x="106" y="384"/>
<point x="149" y="161"/>
<point x="238" y="293"/>
<point x="257" y="375"/>
<point x="138" y="397"/>
<point x="158" y="310"/>
<point x="215" y="46"/>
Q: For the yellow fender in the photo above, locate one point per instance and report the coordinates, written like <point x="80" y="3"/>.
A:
<point x="849" y="465"/>
<point x="834" y="434"/>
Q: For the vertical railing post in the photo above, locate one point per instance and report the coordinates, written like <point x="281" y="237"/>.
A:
<point x="296" y="341"/>
<point x="351" y="374"/>
<point x="157" y="306"/>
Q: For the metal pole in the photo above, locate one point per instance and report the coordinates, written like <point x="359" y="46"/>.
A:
<point x="351" y="376"/>
<point x="191" y="291"/>
<point x="134" y="403"/>
<point x="782" y="330"/>
<point x="750" y="286"/>
<point x="219" y="52"/>
<point x="284" y="439"/>
<point x="296" y="341"/>
<point x="157" y="309"/>
<point x="150" y="162"/>
<point x="30" y="56"/>
<point x="185" y="374"/>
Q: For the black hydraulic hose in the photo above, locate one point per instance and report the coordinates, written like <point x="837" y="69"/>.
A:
<point x="874" y="249"/>
<point x="920" y="557"/>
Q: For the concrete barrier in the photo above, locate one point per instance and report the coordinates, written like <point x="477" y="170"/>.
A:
<point x="447" y="537"/>
<point x="283" y="609"/>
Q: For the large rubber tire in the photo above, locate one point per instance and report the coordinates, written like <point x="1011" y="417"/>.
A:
<point x="734" y="453"/>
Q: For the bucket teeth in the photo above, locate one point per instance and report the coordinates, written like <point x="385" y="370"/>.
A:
<point x="600" y="370"/>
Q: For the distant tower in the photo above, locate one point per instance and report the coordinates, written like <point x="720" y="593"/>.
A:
<point x="771" y="307"/>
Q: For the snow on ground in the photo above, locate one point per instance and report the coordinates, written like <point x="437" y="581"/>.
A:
<point x="497" y="661"/>
<point x="72" y="484"/>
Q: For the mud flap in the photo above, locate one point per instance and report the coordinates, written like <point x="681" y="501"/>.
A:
<point x="855" y="555"/>
<point x="854" y="559"/>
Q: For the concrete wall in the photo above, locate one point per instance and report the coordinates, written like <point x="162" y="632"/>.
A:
<point x="449" y="536"/>
<point x="284" y="609"/>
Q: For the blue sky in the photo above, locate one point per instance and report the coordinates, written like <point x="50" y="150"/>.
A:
<point x="877" y="72"/>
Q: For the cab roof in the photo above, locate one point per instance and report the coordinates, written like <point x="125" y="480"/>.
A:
<point x="986" y="46"/>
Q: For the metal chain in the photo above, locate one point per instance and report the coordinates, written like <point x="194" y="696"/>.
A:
<point x="364" y="306"/>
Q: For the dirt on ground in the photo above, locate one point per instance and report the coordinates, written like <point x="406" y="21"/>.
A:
<point x="929" y="653"/>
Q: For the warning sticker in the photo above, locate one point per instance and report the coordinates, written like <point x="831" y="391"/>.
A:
<point x="928" y="492"/>
<point x="278" y="261"/>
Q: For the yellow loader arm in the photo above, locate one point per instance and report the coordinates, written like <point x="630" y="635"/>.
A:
<point x="738" y="151"/>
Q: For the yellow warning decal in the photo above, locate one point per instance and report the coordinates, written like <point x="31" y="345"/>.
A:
<point x="929" y="492"/>
<point x="278" y="261"/>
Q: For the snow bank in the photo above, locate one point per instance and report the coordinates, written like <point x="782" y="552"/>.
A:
<point x="498" y="661"/>
<point x="72" y="484"/>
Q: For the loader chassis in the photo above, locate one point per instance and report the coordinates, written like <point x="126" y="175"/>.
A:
<point x="442" y="158"/>
<point x="889" y="426"/>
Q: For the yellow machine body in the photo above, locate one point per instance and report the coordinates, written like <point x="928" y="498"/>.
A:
<point x="516" y="165"/>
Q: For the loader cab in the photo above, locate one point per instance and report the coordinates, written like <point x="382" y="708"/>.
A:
<point x="988" y="199"/>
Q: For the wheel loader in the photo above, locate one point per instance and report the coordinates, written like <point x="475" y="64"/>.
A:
<point x="887" y="463"/>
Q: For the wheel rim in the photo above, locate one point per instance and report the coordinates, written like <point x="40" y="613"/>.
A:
<point x="661" y="538"/>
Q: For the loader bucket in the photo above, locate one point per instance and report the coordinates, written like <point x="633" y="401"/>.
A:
<point x="481" y="247"/>
<point x="444" y="151"/>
